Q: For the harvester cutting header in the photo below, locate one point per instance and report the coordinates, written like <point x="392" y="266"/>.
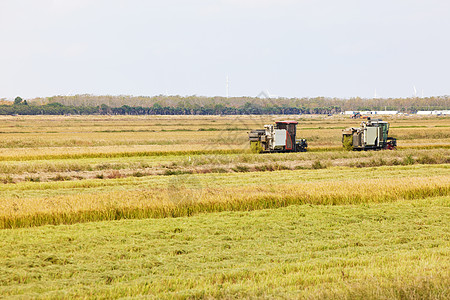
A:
<point x="280" y="137"/>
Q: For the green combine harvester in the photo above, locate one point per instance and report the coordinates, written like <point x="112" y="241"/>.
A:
<point x="372" y="135"/>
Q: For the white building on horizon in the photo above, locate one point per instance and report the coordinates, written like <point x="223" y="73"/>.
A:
<point x="433" y="112"/>
<point x="379" y="112"/>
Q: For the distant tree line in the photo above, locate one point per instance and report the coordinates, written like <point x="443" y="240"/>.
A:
<point x="21" y="107"/>
<point x="177" y="105"/>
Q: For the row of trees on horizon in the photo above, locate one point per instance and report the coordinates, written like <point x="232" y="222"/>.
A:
<point x="193" y="105"/>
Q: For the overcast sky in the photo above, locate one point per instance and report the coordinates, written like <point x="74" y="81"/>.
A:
<point x="301" y="48"/>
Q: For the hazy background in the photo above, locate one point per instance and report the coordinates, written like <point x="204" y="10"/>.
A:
<point x="290" y="48"/>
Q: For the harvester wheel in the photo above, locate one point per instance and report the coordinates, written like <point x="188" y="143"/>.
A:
<point x="391" y="147"/>
<point x="391" y="144"/>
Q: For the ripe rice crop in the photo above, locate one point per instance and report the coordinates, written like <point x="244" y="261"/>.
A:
<point x="181" y="200"/>
<point x="396" y="250"/>
<point x="216" y="220"/>
<point x="50" y="137"/>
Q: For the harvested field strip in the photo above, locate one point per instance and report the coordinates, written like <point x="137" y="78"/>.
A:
<point x="206" y="128"/>
<point x="339" y="148"/>
<point x="46" y="189"/>
<point x="178" y="199"/>
<point x="119" y="154"/>
<point x="138" y="166"/>
<point x="438" y="146"/>
<point x="112" y="154"/>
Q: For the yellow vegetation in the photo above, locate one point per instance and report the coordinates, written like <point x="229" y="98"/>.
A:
<point x="165" y="201"/>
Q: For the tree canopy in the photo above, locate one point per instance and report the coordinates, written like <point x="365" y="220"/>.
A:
<point x="177" y="105"/>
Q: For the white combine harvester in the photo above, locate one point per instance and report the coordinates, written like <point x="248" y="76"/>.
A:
<point x="280" y="137"/>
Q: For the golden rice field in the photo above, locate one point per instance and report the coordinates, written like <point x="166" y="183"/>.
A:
<point x="178" y="207"/>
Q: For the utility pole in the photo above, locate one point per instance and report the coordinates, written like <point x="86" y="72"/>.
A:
<point x="228" y="87"/>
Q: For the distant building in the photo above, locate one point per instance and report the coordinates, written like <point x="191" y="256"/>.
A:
<point x="380" y="112"/>
<point x="424" y="112"/>
<point x="433" y="112"/>
<point x="386" y="112"/>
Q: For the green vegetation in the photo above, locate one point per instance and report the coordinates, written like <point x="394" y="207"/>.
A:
<point x="18" y="100"/>
<point x="372" y="251"/>
<point x="177" y="105"/>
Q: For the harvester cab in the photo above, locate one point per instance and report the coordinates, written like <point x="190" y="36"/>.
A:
<point x="372" y="135"/>
<point x="280" y="137"/>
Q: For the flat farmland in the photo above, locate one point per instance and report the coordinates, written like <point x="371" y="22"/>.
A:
<point x="48" y="135"/>
<point x="178" y="207"/>
<point x="375" y="251"/>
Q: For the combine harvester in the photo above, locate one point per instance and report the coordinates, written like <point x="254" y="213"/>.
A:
<point x="280" y="137"/>
<point x="372" y="135"/>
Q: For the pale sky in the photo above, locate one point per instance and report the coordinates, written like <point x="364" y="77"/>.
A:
<point x="301" y="48"/>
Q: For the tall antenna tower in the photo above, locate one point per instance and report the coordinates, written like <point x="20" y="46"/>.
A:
<point x="228" y="87"/>
<point x="415" y="92"/>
